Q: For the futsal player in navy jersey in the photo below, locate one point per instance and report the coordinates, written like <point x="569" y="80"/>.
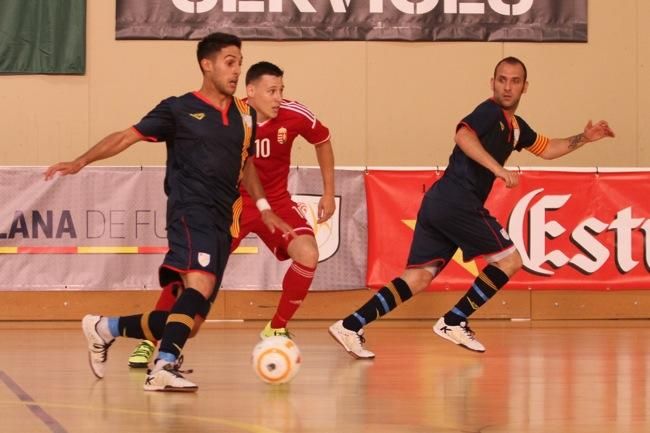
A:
<point x="279" y="122"/>
<point x="452" y="214"/>
<point x="209" y="136"/>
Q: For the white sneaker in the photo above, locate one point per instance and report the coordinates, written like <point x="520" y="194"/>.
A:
<point x="97" y="347"/>
<point x="461" y="335"/>
<point x="350" y="340"/>
<point x="168" y="378"/>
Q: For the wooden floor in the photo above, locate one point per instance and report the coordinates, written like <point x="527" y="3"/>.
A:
<point x="579" y="376"/>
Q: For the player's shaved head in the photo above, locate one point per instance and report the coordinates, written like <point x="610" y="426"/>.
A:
<point x="511" y="61"/>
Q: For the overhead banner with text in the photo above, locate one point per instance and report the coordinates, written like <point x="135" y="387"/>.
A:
<point x="389" y="20"/>
<point x="104" y="228"/>
<point x="581" y="231"/>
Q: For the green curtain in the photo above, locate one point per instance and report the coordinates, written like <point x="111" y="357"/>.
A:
<point x="42" y="36"/>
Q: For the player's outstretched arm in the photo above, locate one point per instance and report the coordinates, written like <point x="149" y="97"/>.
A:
<point x="558" y="147"/>
<point x="326" y="204"/>
<point x="251" y="182"/>
<point x="469" y="143"/>
<point x="110" y="145"/>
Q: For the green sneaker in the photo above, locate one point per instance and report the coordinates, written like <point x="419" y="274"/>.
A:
<point x="142" y="354"/>
<point x="274" y="332"/>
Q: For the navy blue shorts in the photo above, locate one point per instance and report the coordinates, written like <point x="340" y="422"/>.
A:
<point x="444" y="226"/>
<point x="196" y="244"/>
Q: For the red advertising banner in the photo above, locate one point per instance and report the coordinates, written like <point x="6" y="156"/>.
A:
<point x="577" y="231"/>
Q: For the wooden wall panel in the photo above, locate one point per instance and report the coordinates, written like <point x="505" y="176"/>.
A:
<point x="260" y="305"/>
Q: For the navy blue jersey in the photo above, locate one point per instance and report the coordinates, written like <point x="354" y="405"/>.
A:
<point x="499" y="136"/>
<point x="206" y="152"/>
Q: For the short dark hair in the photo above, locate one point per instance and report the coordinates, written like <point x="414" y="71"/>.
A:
<point x="511" y="61"/>
<point x="256" y="71"/>
<point x="213" y="43"/>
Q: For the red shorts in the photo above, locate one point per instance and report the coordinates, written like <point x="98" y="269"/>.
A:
<point x="251" y="222"/>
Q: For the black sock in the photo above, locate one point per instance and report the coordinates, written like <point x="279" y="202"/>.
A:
<point x="181" y="321"/>
<point x="486" y="285"/>
<point x="385" y="300"/>
<point x="147" y="325"/>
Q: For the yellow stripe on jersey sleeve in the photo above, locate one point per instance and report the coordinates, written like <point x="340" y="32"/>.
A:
<point x="237" y="208"/>
<point x="244" y="110"/>
<point x="242" y="106"/>
<point x="539" y="146"/>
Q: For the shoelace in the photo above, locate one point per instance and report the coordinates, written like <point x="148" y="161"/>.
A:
<point x="173" y="369"/>
<point x="468" y="331"/>
<point x="282" y="332"/>
<point x="143" y="350"/>
<point x="102" y="349"/>
<point x="177" y="366"/>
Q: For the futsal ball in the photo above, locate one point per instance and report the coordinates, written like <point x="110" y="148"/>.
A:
<point x="276" y="359"/>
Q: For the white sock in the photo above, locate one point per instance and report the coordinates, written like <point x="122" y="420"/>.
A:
<point x="103" y="331"/>
<point x="159" y="364"/>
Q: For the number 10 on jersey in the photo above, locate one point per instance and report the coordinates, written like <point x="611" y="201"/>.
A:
<point x="262" y="148"/>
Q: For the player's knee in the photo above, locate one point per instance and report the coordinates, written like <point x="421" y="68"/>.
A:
<point x="201" y="282"/>
<point x="310" y="258"/>
<point x="307" y="255"/>
<point x="511" y="264"/>
<point x="520" y="262"/>
<point x="417" y="279"/>
<point x="517" y="262"/>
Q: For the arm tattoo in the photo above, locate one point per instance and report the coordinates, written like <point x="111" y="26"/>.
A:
<point x="576" y="141"/>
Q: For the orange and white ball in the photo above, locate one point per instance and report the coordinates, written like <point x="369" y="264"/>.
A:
<point x="276" y="360"/>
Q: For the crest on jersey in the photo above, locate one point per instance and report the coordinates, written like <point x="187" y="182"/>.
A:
<point x="198" y="116"/>
<point x="282" y="135"/>
<point x="501" y="125"/>
<point x="327" y="234"/>
<point x="204" y="259"/>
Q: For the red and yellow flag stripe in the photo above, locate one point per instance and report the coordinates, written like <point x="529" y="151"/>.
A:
<point x="101" y="250"/>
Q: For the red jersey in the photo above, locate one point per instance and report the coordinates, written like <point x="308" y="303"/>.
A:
<point x="273" y="141"/>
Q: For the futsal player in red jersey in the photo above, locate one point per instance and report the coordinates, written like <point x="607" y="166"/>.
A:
<point x="279" y="122"/>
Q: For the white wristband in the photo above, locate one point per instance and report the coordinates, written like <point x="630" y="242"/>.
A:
<point x="262" y="204"/>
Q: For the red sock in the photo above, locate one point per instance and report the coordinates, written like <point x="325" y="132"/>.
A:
<point x="294" y="289"/>
<point x="168" y="295"/>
